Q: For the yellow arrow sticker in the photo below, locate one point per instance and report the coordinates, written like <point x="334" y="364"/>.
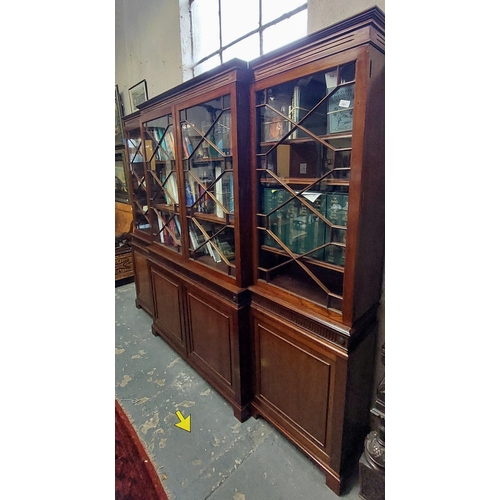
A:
<point x="184" y="423"/>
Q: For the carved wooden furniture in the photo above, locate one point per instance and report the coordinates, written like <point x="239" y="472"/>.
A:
<point x="318" y="173"/>
<point x="258" y="234"/>
<point x="189" y="167"/>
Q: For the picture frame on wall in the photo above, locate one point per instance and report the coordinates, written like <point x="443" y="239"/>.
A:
<point x="138" y="94"/>
<point x="118" y="117"/>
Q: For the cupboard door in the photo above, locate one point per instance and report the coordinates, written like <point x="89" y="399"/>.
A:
<point x="211" y="326"/>
<point x="299" y="385"/>
<point x="142" y="281"/>
<point x="138" y="182"/>
<point x="305" y="129"/>
<point x="296" y="382"/>
<point x="209" y="183"/>
<point x="168" y="308"/>
<point x="159" y="146"/>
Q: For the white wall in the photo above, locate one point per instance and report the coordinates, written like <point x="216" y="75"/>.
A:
<point x="323" y="13"/>
<point x="147" y="46"/>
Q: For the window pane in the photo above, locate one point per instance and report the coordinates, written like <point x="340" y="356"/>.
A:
<point x="238" y="18"/>
<point x="205" y="19"/>
<point x="247" y="49"/>
<point x="211" y="63"/>
<point x="285" y="32"/>
<point x="271" y="9"/>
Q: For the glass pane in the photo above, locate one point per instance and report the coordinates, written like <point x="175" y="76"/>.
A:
<point x="238" y="18"/>
<point x="167" y="229"/>
<point x="247" y="49"/>
<point x="209" y="182"/>
<point x="163" y="186"/>
<point x="300" y="102"/>
<point x="159" y="148"/>
<point x="271" y="9"/>
<point x="340" y="108"/>
<point x="210" y="189"/>
<point x="211" y="243"/>
<point x="206" y="130"/>
<point x="160" y="139"/>
<point x="207" y="65"/>
<point x="160" y="158"/>
<point x="205" y="27"/>
<point x="338" y="159"/>
<point x="134" y="149"/>
<point x="273" y="125"/>
<point x="308" y="106"/>
<point x="138" y="179"/>
<point x="285" y="32"/>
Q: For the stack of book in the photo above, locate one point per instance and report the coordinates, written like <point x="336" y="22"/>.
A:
<point x="300" y="229"/>
<point x="169" y="185"/>
<point x="214" y="246"/>
<point x="337" y="205"/>
<point x="164" y="143"/>
<point x="169" y="232"/>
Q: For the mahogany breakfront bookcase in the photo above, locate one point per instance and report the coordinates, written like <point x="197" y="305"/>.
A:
<point x="258" y="234"/>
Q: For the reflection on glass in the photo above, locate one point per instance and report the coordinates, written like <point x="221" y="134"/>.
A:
<point x="160" y="157"/>
<point x="167" y="229"/>
<point x="138" y="180"/>
<point x="340" y="107"/>
<point x="211" y="240"/>
<point x="159" y="147"/>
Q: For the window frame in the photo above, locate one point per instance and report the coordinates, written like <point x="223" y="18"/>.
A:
<point x="222" y="48"/>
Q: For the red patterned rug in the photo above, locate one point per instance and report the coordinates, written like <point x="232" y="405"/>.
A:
<point x="135" y="475"/>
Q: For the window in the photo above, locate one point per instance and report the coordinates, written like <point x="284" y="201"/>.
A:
<point x="220" y="30"/>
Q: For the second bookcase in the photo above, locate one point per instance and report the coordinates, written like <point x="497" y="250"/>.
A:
<point x="318" y="173"/>
<point x="194" y="170"/>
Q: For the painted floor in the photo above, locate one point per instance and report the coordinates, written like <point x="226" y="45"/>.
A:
<point x="220" y="458"/>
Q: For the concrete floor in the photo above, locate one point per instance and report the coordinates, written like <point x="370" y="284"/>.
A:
<point x="221" y="458"/>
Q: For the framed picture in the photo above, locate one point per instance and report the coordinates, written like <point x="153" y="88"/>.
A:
<point x="118" y="117"/>
<point x="138" y="93"/>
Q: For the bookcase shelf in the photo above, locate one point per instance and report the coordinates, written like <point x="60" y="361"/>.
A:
<point x="301" y="181"/>
<point x="310" y="138"/>
<point x="258" y="237"/>
<point x="227" y="221"/>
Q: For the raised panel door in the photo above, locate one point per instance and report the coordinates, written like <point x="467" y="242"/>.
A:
<point x="142" y="281"/>
<point x="211" y="336"/>
<point x="295" y="381"/>
<point x="167" y="308"/>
